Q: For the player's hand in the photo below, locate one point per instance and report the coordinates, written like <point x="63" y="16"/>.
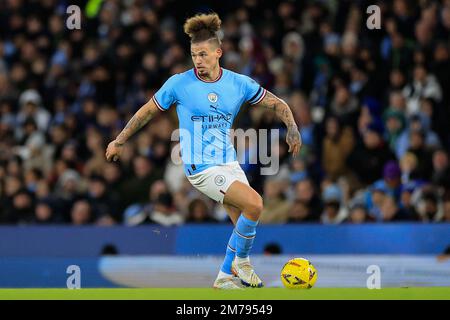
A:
<point x="113" y="151"/>
<point x="294" y="140"/>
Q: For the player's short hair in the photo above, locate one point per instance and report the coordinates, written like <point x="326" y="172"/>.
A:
<point x="203" y="27"/>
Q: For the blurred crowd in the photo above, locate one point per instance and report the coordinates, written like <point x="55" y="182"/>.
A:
<point x="373" y="108"/>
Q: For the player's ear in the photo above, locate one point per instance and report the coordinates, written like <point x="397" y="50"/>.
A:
<point x="219" y="52"/>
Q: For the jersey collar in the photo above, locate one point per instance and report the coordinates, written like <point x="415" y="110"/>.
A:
<point x="209" y="81"/>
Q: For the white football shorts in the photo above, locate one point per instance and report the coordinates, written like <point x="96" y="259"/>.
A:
<point x="215" y="181"/>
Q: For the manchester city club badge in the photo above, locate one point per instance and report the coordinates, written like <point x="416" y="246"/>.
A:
<point x="219" y="180"/>
<point x="212" y="97"/>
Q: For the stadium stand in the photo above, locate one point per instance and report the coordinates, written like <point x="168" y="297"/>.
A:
<point x="373" y="107"/>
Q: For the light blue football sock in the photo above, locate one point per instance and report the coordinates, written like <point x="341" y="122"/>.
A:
<point x="245" y="231"/>
<point x="230" y="254"/>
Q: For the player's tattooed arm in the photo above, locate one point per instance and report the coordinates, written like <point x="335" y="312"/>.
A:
<point x="139" y="119"/>
<point x="282" y="110"/>
<point x="284" y="113"/>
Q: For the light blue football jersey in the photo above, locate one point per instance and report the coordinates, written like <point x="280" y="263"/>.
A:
<point x="206" y="111"/>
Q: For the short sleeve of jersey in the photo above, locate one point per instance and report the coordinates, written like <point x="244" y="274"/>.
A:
<point x="165" y="96"/>
<point x="254" y="93"/>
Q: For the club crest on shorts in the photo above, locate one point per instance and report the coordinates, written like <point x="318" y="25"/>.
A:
<point x="212" y="97"/>
<point x="219" y="180"/>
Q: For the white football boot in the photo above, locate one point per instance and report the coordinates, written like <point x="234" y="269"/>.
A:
<point x="231" y="283"/>
<point x="245" y="272"/>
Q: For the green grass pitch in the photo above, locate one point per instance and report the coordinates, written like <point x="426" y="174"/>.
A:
<point x="435" y="293"/>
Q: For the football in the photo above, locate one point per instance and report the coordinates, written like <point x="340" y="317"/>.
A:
<point x="298" y="273"/>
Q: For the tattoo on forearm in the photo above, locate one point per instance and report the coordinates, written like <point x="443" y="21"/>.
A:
<point x="284" y="113"/>
<point x="292" y="136"/>
<point x="282" y="110"/>
<point x="136" y="122"/>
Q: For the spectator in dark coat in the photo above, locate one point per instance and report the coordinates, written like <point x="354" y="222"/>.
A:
<point x="441" y="169"/>
<point x="102" y="203"/>
<point x="21" y="208"/>
<point x="199" y="212"/>
<point x="307" y="194"/>
<point x="369" y="158"/>
<point x="300" y="212"/>
<point x="135" y="190"/>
